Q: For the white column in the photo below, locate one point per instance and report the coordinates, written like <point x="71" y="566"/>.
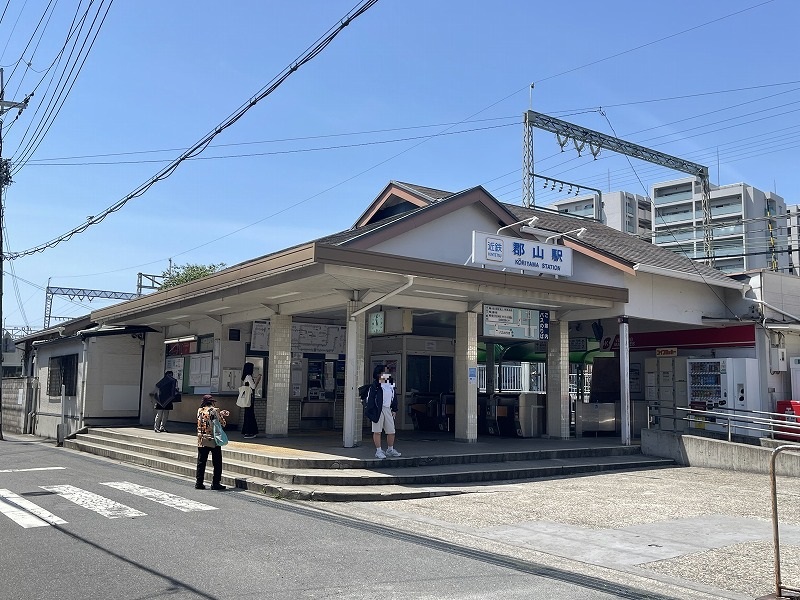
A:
<point x="353" y="377"/>
<point x="465" y="366"/>
<point x="280" y="367"/>
<point x="558" y="380"/>
<point x="624" y="381"/>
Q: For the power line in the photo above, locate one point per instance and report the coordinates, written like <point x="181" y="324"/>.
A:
<point x="200" y="146"/>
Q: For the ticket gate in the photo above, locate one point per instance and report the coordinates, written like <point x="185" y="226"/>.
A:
<point x="515" y="414"/>
<point x="483" y="407"/>
<point x="500" y="414"/>
<point x="431" y="412"/>
<point x="446" y="417"/>
<point x="423" y="409"/>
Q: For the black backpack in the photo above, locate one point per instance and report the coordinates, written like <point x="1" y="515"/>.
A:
<point x="363" y="392"/>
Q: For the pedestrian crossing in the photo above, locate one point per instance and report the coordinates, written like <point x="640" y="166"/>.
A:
<point x="28" y="514"/>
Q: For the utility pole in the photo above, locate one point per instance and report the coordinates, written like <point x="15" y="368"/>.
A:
<point x="5" y="181"/>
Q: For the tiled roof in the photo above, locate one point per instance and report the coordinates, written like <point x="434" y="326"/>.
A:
<point x="430" y="193"/>
<point x="598" y="237"/>
<point x="616" y="244"/>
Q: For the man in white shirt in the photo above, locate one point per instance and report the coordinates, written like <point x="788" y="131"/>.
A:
<point x="381" y="394"/>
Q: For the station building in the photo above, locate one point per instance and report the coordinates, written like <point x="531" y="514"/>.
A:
<point x="443" y="287"/>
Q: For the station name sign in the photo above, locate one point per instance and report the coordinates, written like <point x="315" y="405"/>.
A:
<point x="516" y="323"/>
<point x="515" y="253"/>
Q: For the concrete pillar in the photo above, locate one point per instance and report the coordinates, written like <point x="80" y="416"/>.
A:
<point x="558" y="380"/>
<point x="466" y="377"/>
<point x="354" y="377"/>
<point x="624" y="381"/>
<point x="278" y="384"/>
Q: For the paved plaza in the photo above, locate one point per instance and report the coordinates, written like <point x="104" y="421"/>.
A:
<point x="680" y="532"/>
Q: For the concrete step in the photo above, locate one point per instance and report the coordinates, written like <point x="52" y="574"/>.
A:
<point x="252" y="452"/>
<point x="370" y="479"/>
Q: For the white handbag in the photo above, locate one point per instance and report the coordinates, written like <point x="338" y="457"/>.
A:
<point x="245" y="396"/>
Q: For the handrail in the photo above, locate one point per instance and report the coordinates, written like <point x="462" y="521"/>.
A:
<point x="779" y="587"/>
<point x="786" y="426"/>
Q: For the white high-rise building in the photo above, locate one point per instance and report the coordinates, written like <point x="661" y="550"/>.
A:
<point x="793" y="233"/>
<point x="621" y="210"/>
<point x="749" y="225"/>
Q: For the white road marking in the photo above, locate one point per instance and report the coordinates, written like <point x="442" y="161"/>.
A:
<point x="28" y="514"/>
<point x="167" y="499"/>
<point x="99" y="504"/>
<point x="31" y="469"/>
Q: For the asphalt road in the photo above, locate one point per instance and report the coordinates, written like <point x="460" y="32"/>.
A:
<point x="75" y="527"/>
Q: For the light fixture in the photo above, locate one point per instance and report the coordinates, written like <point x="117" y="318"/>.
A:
<point x="178" y="340"/>
<point x="281" y="295"/>
<point x="578" y="233"/>
<point x="538" y="304"/>
<point x="525" y="222"/>
<point x="441" y="294"/>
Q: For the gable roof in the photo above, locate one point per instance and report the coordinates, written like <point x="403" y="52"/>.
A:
<point x="397" y="198"/>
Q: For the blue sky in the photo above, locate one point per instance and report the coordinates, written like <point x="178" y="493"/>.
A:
<point x="424" y="91"/>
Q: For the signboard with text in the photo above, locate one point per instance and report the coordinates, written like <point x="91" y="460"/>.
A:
<point x="516" y="253"/>
<point x="515" y="323"/>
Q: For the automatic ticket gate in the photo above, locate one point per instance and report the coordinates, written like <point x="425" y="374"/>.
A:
<point x="431" y="412"/>
<point x="502" y="414"/>
<point x="515" y="415"/>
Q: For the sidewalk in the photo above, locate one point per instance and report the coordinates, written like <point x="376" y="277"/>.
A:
<point x="682" y="532"/>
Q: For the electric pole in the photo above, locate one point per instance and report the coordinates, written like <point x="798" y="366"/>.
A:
<point x="5" y="181"/>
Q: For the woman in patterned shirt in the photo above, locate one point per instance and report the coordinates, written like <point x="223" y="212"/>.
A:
<point x="206" y="415"/>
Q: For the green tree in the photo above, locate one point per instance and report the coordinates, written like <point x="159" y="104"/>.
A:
<point x="185" y="273"/>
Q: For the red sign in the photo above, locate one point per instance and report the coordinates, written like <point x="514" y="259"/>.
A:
<point x="739" y="336"/>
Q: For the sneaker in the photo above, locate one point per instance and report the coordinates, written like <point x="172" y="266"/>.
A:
<point x="249" y="437"/>
<point x="162" y="430"/>
<point x="380" y="454"/>
<point x="157" y="430"/>
<point x="392" y="453"/>
<point x="199" y="486"/>
<point x="219" y="486"/>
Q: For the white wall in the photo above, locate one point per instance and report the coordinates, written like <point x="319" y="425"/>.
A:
<point x="448" y="239"/>
<point x="113" y="376"/>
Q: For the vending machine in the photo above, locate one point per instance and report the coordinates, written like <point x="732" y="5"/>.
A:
<point x="665" y="391"/>
<point x="726" y="385"/>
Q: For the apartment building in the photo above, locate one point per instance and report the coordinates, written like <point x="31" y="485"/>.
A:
<point x="793" y="235"/>
<point x="623" y="211"/>
<point x="749" y="225"/>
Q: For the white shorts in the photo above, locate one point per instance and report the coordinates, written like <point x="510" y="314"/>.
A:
<point x="385" y="421"/>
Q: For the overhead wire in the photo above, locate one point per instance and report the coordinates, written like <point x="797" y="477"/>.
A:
<point x="69" y="82"/>
<point x="202" y="144"/>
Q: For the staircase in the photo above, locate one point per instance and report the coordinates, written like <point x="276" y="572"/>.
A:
<point x="286" y="472"/>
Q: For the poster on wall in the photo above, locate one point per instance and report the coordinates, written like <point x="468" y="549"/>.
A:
<point x="306" y="337"/>
<point x="259" y="337"/>
<point x="200" y="370"/>
<point x="175" y="364"/>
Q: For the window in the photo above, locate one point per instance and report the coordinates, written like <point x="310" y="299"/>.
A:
<point x="63" y="370"/>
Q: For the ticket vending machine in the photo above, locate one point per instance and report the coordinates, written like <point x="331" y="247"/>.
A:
<point x="317" y="383"/>
<point x="726" y="386"/>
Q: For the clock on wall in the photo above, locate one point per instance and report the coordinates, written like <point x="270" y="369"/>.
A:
<point x="376" y="323"/>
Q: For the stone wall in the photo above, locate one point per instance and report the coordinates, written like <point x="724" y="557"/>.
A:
<point x="15" y="403"/>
